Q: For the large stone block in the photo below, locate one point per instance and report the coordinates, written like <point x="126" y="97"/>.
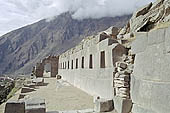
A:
<point x="15" y="107"/>
<point x="165" y="68"/>
<point x="35" y="105"/>
<point x="160" y="97"/>
<point x="153" y="64"/>
<point x="151" y="95"/>
<point x="103" y="105"/>
<point x="122" y="105"/>
<point x="167" y="40"/>
<point x="103" y="88"/>
<point x="156" y="36"/>
<point x="138" y="109"/>
<point x="141" y="92"/>
<point x="141" y="42"/>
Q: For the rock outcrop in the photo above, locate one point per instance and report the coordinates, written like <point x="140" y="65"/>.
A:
<point x="150" y="16"/>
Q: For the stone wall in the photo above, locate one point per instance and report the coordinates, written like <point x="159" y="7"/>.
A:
<point x="150" y="82"/>
<point x="52" y="60"/>
<point x="96" y="78"/>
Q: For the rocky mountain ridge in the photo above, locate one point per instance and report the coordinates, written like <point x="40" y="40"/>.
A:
<point x="22" y="48"/>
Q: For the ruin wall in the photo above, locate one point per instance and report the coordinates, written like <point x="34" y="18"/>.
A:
<point x="150" y="82"/>
<point x="94" y="78"/>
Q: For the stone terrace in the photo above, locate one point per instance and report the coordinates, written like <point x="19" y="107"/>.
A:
<point x="60" y="96"/>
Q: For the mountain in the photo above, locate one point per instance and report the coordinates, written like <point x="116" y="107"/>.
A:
<point x="22" y="48"/>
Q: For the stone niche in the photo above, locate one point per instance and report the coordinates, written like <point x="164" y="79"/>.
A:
<point x="53" y="61"/>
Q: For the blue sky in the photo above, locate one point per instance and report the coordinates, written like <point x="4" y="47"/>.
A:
<point x="17" y="13"/>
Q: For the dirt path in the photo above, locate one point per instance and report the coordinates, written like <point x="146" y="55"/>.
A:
<point x="62" y="96"/>
<point x="59" y="96"/>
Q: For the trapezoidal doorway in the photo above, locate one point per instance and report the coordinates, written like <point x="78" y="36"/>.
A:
<point x="48" y="67"/>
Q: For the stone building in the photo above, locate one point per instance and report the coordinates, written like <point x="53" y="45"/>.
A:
<point x="135" y="77"/>
<point x="91" y="65"/>
<point x="131" y="67"/>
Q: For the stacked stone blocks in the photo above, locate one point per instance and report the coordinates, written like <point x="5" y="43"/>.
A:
<point x="150" y="84"/>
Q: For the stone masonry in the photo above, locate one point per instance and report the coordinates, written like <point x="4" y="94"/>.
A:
<point x="39" y="69"/>
<point x="150" y="84"/>
<point x="127" y="69"/>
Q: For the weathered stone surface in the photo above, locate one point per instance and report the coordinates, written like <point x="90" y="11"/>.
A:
<point x="123" y="65"/>
<point x="160" y="98"/>
<point x="103" y="105"/>
<point x="143" y="10"/>
<point x="151" y="81"/>
<point x="152" y="64"/>
<point x="167" y="40"/>
<point x="125" y="78"/>
<point x="141" y="42"/>
<point x="150" y="95"/>
<point x="138" y="23"/>
<point x="124" y="89"/>
<point x="141" y="92"/>
<point x="138" y="109"/>
<point x="122" y="105"/>
<point x="15" y="107"/>
<point x="150" y="16"/>
<point x="35" y="105"/>
<point x="156" y="36"/>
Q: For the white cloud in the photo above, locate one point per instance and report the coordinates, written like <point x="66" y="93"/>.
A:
<point x="17" y="13"/>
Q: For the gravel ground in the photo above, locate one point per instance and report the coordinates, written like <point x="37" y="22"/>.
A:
<point x="61" y="96"/>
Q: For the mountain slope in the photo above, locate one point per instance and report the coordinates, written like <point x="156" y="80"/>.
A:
<point x="22" y="48"/>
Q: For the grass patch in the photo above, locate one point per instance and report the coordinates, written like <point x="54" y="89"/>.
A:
<point x="12" y="93"/>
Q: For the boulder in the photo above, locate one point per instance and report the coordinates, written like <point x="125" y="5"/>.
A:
<point x="103" y="105"/>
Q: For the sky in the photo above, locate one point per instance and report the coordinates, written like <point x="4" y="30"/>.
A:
<point x="18" y="13"/>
